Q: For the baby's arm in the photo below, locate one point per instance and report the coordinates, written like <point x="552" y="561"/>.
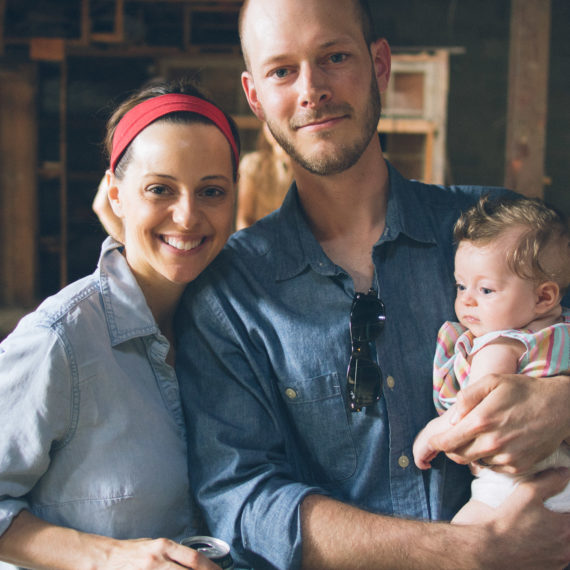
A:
<point x="499" y="357"/>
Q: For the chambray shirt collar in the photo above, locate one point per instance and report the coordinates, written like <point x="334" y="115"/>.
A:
<point x="127" y="313"/>
<point x="297" y="247"/>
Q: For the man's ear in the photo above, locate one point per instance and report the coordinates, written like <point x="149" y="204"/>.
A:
<point x="548" y="296"/>
<point x="382" y="60"/>
<point x="113" y="194"/>
<point x="251" y="95"/>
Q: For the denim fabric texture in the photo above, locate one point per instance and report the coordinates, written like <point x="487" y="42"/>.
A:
<point x="93" y="434"/>
<point x="263" y="350"/>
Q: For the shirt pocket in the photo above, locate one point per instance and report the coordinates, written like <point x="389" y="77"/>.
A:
<point x="320" y="419"/>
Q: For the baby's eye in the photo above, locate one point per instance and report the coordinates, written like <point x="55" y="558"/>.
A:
<point x="460" y="287"/>
<point x="486" y="291"/>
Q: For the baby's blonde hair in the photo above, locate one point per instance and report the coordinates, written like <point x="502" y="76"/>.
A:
<point x="543" y="251"/>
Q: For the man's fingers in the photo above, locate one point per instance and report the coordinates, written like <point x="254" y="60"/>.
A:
<point x="546" y="484"/>
<point x="456" y="439"/>
<point x="473" y="395"/>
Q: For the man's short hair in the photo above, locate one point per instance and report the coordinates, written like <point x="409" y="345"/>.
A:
<point x="363" y="13"/>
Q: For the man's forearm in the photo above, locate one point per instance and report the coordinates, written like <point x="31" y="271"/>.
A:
<point x="523" y="534"/>
<point x="336" y="535"/>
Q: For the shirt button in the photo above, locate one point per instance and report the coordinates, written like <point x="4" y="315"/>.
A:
<point x="391" y="382"/>
<point x="403" y="461"/>
<point x="290" y="393"/>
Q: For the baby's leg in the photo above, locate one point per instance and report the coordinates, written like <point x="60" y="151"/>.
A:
<point x="474" y="512"/>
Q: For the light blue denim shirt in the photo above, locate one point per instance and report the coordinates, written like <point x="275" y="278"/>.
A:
<point x="93" y="434"/>
<point x="264" y="345"/>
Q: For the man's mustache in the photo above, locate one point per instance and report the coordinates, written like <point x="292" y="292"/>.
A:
<point x="332" y="111"/>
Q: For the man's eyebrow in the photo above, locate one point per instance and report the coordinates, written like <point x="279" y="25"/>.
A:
<point x="281" y="57"/>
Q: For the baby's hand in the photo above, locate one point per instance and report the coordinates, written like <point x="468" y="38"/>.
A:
<point x="424" y="450"/>
<point x="424" y="453"/>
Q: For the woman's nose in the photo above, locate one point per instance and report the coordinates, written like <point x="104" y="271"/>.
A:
<point x="185" y="213"/>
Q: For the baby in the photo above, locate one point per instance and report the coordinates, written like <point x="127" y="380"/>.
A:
<point x="512" y="267"/>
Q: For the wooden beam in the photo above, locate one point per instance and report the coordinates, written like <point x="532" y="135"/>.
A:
<point x="527" y="96"/>
<point x="18" y="185"/>
<point x="2" y="18"/>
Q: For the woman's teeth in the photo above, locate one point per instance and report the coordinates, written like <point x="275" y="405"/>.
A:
<point x="182" y="245"/>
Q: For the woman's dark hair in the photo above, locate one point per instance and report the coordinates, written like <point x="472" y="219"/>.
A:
<point x="155" y="89"/>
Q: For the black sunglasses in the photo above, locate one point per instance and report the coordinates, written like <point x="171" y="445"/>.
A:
<point x="364" y="377"/>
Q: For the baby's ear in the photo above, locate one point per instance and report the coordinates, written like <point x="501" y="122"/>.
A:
<point x="548" y="296"/>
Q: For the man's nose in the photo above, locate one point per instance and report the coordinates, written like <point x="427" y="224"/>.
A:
<point x="315" y="88"/>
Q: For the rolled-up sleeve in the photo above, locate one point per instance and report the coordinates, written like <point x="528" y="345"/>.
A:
<point x="242" y="462"/>
<point x="37" y="408"/>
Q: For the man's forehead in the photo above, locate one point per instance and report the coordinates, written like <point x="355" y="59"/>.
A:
<point x="280" y="13"/>
<point x="271" y="33"/>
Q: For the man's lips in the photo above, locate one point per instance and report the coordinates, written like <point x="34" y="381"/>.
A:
<point x="319" y="123"/>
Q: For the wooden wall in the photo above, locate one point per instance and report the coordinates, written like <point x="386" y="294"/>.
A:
<point x="18" y="221"/>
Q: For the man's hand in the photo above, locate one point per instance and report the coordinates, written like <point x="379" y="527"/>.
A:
<point x="541" y="538"/>
<point x="510" y="421"/>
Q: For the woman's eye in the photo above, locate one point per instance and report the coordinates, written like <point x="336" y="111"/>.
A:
<point x="157" y="189"/>
<point x="213" y="192"/>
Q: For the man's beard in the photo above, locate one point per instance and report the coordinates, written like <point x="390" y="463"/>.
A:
<point x="348" y="154"/>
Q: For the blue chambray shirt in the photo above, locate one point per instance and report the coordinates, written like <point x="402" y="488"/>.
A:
<point x="92" y="430"/>
<point x="264" y="345"/>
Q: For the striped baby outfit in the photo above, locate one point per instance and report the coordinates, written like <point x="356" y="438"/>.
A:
<point x="547" y="354"/>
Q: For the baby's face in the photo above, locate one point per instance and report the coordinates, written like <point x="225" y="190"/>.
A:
<point x="490" y="296"/>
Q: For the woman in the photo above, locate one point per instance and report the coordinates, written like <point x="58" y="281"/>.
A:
<point x="93" y="468"/>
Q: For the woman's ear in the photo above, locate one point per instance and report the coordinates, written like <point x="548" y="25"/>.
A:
<point x="113" y="194"/>
<point x="548" y="296"/>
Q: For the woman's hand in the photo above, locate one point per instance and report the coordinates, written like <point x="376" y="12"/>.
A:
<point x="33" y="543"/>
<point x="161" y="553"/>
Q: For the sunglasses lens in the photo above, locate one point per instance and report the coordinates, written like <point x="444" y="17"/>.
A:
<point x="364" y="382"/>
<point x="367" y="318"/>
<point x="364" y="377"/>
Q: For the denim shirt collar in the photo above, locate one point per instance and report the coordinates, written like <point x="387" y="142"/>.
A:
<point x="297" y="248"/>
<point x="126" y="310"/>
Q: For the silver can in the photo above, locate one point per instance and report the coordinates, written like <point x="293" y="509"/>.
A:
<point x="215" y="549"/>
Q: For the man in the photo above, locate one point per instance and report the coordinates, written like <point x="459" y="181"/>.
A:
<point x="293" y="464"/>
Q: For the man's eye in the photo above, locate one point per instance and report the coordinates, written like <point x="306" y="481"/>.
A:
<point x="281" y="73"/>
<point x="338" y="57"/>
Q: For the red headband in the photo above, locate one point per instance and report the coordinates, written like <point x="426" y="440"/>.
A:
<point x="141" y="116"/>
